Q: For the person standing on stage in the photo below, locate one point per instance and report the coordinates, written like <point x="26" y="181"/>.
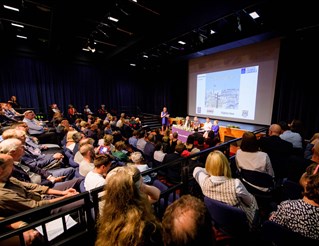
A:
<point x="165" y="119"/>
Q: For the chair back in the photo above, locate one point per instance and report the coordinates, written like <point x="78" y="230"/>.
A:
<point x="231" y="221"/>
<point x="276" y="234"/>
<point x="251" y="178"/>
<point x="257" y="178"/>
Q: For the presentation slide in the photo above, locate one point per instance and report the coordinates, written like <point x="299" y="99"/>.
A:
<point x="236" y="85"/>
<point x="229" y="93"/>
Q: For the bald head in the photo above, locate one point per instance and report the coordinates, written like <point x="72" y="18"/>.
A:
<point x="274" y="130"/>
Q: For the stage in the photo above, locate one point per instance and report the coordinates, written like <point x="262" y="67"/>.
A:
<point x="228" y="130"/>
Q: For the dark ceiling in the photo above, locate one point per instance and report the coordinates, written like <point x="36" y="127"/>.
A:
<point x="149" y="28"/>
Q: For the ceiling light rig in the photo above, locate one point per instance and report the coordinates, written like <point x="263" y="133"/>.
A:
<point x="203" y="37"/>
<point x="91" y="44"/>
<point x="99" y="28"/>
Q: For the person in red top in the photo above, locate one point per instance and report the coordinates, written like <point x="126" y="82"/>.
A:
<point x="72" y="113"/>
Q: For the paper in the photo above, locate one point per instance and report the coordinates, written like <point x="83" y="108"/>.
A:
<point x="55" y="227"/>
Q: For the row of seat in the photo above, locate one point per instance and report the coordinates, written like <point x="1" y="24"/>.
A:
<point x="233" y="224"/>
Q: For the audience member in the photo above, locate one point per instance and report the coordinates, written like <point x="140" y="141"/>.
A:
<point x="141" y="142"/>
<point x="45" y="161"/>
<point x="30" y="237"/>
<point x="173" y="172"/>
<point x="70" y="141"/>
<point x="138" y="161"/>
<point x="149" y="147"/>
<point x="217" y="183"/>
<point x="120" y="151"/>
<point x="33" y="143"/>
<point x="35" y="128"/>
<point x="298" y="164"/>
<point x="32" y="173"/>
<point x="72" y="113"/>
<point x="127" y="216"/>
<point x="86" y="165"/>
<point x="14" y="102"/>
<point x="102" y="111"/>
<point x="186" y="222"/>
<point x="158" y="152"/>
<point x="292" y="137"/>
<point x="278" y="150"/>
<point x="249" y="157"/>
<point x="10" y="112"/>
<point x="78" y="157"/>
<point x="133" y="139"/>
<point x="173" y="138"/>
<point x="296" y="125"/>
<point x="309" y="146"/>
<point x="107" y="128"/>
<point x="18" y="196"/>
<point x="53" y="111"/>
<point x="96" y="177"/>
<point x="302" y="215"/>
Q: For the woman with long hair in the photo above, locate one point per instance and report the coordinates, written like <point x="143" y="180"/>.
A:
<point x="127" y="217"/>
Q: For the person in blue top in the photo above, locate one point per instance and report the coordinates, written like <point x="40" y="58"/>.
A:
<point x="215" y="128"/>
<point x="165" y="119"/>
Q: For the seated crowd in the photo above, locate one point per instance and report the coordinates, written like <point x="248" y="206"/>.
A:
<point x="43" y="163"/>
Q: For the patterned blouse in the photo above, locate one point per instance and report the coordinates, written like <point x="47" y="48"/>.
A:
<point x="299" y="217"/>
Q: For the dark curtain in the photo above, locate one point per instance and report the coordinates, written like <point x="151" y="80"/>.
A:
<point x="295" y="96"/>
<point x="38" y="83"/>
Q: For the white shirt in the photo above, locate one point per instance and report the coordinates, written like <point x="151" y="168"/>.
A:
<point x="256" y="161"/>
<point x="85" y="167"/>
<point x="159" y="155"/>
<point x="140" y="144"/>
<point x="93" y="180"/>
<point x="207" y="126"/>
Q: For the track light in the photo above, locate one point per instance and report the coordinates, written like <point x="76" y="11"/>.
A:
<point x="91" y="44"/>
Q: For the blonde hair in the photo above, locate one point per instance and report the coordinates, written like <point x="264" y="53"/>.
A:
<point x="217" y="164"/>
<point x="126" y="211"/>
<point x="69" y="135"/>
<point x="108" y="139"/>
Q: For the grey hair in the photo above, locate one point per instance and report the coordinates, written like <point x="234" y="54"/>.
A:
<point x="9" y="145"/>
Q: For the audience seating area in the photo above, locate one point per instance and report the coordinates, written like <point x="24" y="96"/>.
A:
<point x="230" y="223"/>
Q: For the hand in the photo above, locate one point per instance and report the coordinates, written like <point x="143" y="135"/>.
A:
<point x="58" y="156"/>
<point x="70" y="192"/>
<point x="29" y="236"/>
<point x="59" y="179"/>
<point x="44" y="147"/>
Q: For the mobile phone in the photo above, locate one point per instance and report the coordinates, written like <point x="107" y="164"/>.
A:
<point x="103" y="150"/>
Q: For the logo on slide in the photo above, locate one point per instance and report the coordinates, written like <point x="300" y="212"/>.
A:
<point x="199" y="110"/>
<point x="244" y="113"/>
